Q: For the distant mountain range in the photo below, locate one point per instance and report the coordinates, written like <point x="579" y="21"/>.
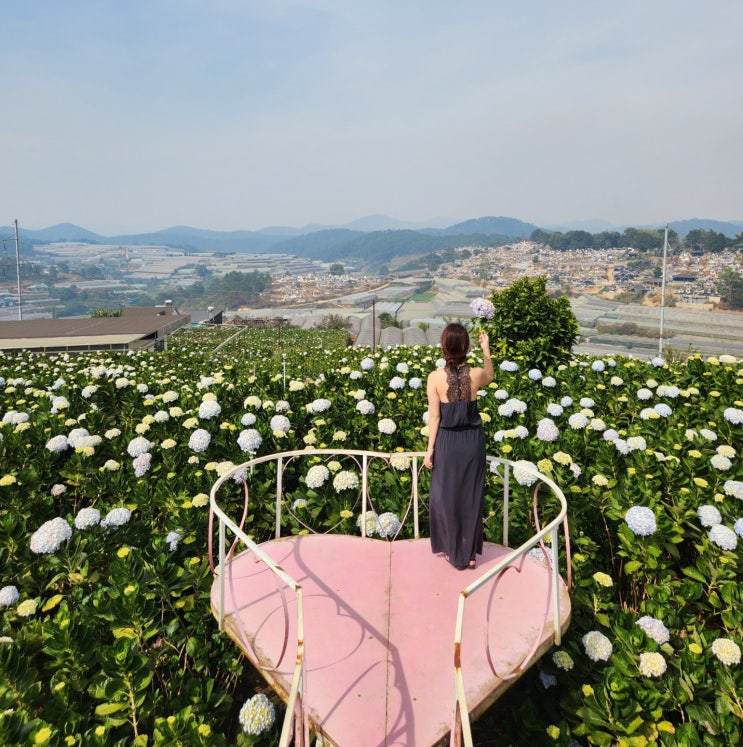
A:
<point x="374" y="239"/>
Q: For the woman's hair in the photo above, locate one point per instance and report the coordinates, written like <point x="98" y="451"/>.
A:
<point x="455" y="343"/>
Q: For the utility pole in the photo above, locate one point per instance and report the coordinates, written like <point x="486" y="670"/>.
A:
<point x="18" y="271"/>
<point x="663" y="292"/>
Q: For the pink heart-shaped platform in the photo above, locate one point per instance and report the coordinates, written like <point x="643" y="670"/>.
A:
<point x="379" y="622"/>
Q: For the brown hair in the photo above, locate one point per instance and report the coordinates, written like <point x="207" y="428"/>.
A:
<point x="455" y="343"/>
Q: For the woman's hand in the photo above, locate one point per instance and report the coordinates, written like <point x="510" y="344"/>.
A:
<point x="428" y="459"/>
<point x="484" y="341"/>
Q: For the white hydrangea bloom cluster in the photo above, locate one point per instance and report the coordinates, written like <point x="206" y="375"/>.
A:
<point x="577" y="421"/>
<point x="720" y="462"/>
<point x="209" y="408"/>
<point x="396" y="382"/>
<point x="388" y="524"/>
<point x="654" y="628"/>
<point x="509" y="366"/>
<point x="87" y="517"/>
<point x="199" y="440"/>
<point x="137" y="446"/>
<point x="387" y="426"/>
<point x="547" y="430"/>
<point x="549" y="381"/>
<point x="141" y="464"/>
<point x="172" y="540"/>
<point x="400" y="463"/>
<point x="525" y="472"/>
<point x="555" y="410"/>
<point x="317" y="475"/>
<point x="637" y="443"/>
<point x="49" y="537"/>
<point x="652" y="664"/>
<point x="726" y="650"/>
<point x="117" y="517"/>
<point x="709" y="516"/>
<point x="734" y="488"/>
<point x="641" y="520"/>
<point x="367" y="364"/>
<point x="370" y="522"/>
<point x="345" y="480"/>
<point x="8" y="595"/>
<point x="252" y="401"/>
<point x="597" y="646"/>
<point x="723" y="537"/>
<point x="415" y="383"/>
<point x="319" y="405"/>
<point x="280" y="423"/>
<point x="257" y="715"/>
<point x="365" y="407"/>
<point x="733" y="415"/>
<point x="57" y="444"/>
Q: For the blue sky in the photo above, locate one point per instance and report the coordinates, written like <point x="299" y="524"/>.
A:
<point x="234" y="114"/>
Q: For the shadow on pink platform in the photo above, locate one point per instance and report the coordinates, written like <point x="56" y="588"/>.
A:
<point x="379" y="621"/>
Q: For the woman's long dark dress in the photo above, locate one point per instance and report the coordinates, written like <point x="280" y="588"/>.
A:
<point x="458" y="475"/>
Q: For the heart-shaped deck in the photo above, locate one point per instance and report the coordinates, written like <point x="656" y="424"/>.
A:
<point x="379" y="621"/>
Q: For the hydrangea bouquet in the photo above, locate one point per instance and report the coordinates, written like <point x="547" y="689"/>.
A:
<point x="482" y="310"/>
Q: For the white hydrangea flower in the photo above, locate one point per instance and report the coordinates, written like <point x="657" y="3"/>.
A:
<point x="654" y="628"/>
<point x="387" y="426"/>
<point x="367" y="364"/>
<point x="49" y="537"/>
<point x="525" y="472"/>
<point x="138" y="445"/>
<point x="8" y="595"/>
<point x="371" y="524"/>
<point x="87" y="517"/>
<point x="723" y="537"/>
<point x="547" y="430"/>
<point x="641" y="520"/>
<point x="319" y="405"/>
<point x="734" y="488"/>
<point x="257" y="715"/>
<point x="199" y="440"/>
<point x="280" y="423"/>
<point x="652" y="664"/>
<point x="597" y="646"/>
<point x="57" y="444"/>
<point x="250" y="440"/>
<point x="397" y="383"/>
<point x="709" y="516"/>
<point x="388" y="524"/>
<point x="141" y="464"/>
<point x="117" y="517"/>
<point x="345" y="480"/>
<point x="726" y="650"/>
<point x="733" y="415"/>
<point x="317" y="475"/>
<point x="577" y="421"/>
<point x="172" y="540"/>
<point x="365" y="407"/>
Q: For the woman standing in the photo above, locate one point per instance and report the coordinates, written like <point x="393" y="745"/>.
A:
<point x="456" y="449"/>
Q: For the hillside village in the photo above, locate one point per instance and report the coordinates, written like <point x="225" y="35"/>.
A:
<point x="616" y="294"/>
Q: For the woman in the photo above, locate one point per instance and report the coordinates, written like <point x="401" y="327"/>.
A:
<point x="456" y="449"/>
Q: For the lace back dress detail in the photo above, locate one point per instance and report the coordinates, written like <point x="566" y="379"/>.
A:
<point x="459" y="383"/>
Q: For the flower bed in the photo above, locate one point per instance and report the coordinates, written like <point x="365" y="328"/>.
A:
<point x="106" y="636"/>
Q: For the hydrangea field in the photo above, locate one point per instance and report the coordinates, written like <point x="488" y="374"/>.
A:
<point x="106" y="633"/>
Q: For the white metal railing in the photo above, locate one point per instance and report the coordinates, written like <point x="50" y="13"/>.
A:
<point x="295" y="719"/>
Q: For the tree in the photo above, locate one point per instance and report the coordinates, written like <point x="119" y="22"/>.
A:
<point x="730" y="288"/>
<point x="387" y="320"/>
<point x="336" y="269"/>
<point x="530" y="325"/>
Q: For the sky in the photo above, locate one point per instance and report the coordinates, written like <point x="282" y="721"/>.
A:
<point x="233" y="114"/>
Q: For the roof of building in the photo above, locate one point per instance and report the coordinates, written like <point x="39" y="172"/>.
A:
<point x="135" y="323"/>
